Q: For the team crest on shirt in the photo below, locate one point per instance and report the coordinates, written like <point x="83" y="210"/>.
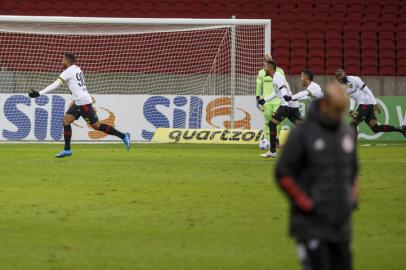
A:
<point x="319" y="144"/>
<point x="348" y="144"/>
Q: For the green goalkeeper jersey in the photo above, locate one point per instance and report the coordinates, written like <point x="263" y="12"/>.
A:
<point x="265" y="85"/>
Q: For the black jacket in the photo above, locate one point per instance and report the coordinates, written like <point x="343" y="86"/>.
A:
<point x="317" y="169"/>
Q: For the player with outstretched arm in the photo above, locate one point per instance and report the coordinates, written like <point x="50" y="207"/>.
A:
<point x="312" y="90"/>
<point x="264" y="88"/>
<point x="82" y="104"/>
<point x="365" y="104"/>
<point x="287" y="109"/>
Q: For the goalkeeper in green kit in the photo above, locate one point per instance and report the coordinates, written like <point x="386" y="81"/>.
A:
<point x="265" y="89"/>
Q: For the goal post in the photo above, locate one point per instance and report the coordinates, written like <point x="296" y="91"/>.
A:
<point x="143" y="73"/>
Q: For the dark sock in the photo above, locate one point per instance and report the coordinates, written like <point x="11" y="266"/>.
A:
<point x="355" y="129"/>
<point x="67" y="135"/>
<point x="385" y="128"/>
<point x="110" y="130"/>
<point x="272" y="133"/>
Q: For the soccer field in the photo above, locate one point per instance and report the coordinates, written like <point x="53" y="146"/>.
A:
<point x="176" y="207"/>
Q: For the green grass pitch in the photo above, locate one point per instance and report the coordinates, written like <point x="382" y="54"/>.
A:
<point x="176" y="207"/>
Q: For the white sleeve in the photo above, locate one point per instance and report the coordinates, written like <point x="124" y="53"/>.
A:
<point x="348" y="90"/>
<point x="51" y="87"/>
<point x="65" y="75"/>
<point x="268" y="98"/>
<point x="301" y="95"/>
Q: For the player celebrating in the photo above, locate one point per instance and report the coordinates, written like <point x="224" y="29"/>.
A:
<point x="289" y="109"/>
<point x="82" y="106"/>
<point x="312" y="89"/>
<point x="365" y="104"/>
<point x="264" y="89"/>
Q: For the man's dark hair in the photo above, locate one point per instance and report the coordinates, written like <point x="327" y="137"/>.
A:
<point x="308" y="73"/>
<point x="70" y="57"/>
<point x="272" y="63"/>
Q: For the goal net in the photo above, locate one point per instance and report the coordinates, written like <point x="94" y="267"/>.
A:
<point x="143" y="73"/>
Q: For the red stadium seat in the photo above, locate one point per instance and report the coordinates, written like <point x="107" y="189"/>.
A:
<point x="387" y="45"/>
<point x="353" y="69"/>
<point x="334" y="27"/>
<point x="298" y="44"/>
<point x="352" y="27"/>
<point x="334" y="45"/>
<point x="296" y="70"/>
<point x="286" y="8"/>
<point x="373" y="10"/>
<point x="304" y="8"/>
<point x="333" y="35"/>
<point x="316" y="59"/>
<point x="281" y="43"/>
<point x="369" y="70"/>
<point x="369" y="26"/>
<point x="387" y="55"/>
<point x="401" y="71"/>
<point x="333" y="53"/>
<point x="369" y="52"/>
<point x="332" y="65"/>
<point x="387" y="70"/>
<point x="369" y="61"/>
<point x="388" y="9"/>
<point x="356" y="8"/>
<point x="369" y="36"/>
<point x="316" y="45"/>
<point x="401" y="45"/>
<point x="278" y="53"/>
<point x="321" y="8"/>
<point x="373" y="18"/>
<point x="298" y="35"/>
<point x="386" y="36"/>
<point x="352" y="61"/>
<point x="387" y="26"/>
<point x="362" y="2"/>
<point x="315" y="35"/>
<point x="282" y="61"/>
<point x="317" y="69"/>
<point x="340" y="7"/>
<point x="351" y="53"/>
<point x="351" y="35"/>
<point x="351" y="44"/>
<point x="277" y="34"/>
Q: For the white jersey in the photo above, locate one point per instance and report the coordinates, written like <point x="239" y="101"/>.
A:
<point x="282" y="88"/>
<point x="359" y="91"/>
<point x="74" y="78"/>
<point x="313" y="91"/>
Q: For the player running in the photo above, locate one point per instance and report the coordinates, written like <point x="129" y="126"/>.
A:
<point x="264" y="88"/>
<point x="365" y="104"/>
<point x="289" y="109"/>
<point x="312" y="90"/>
<point x="82" y="104"/>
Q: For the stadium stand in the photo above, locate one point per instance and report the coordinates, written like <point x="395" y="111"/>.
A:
<point x="366" y="37"/>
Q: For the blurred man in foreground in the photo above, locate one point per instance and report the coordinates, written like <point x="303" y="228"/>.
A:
<point x="318" y="170"/>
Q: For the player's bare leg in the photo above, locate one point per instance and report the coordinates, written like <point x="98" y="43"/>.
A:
<point x="272" y="131"/>
<point x="112" y="131"/>
<point x="375" y="127"/>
